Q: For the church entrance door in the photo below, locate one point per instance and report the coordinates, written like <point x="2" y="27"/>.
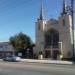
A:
<point x="51" y="42"/>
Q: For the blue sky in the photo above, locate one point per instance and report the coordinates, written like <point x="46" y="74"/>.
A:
<point x="20" y="16"/>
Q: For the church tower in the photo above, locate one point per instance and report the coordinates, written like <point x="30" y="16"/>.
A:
<point x="65" y="22"/>
<point x="40" y="25"/>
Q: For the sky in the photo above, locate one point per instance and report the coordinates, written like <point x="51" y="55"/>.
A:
<point x="20" y="16"/>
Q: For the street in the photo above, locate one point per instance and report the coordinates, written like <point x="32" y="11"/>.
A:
<point x="22" y="68"/>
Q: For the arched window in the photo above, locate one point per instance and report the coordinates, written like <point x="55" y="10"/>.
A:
<point x="51" y="38"/>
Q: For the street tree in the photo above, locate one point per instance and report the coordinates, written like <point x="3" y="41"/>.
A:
<point x="21" y="42"/>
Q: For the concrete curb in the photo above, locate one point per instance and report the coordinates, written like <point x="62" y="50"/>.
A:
<point x="47" y="61"/>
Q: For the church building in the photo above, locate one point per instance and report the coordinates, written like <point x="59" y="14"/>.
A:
<point x="54" y="37"/>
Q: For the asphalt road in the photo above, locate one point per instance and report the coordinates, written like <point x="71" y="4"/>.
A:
<point x="21" y="68"/>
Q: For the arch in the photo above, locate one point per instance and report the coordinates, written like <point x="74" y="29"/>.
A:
<point x="51" y="38"/>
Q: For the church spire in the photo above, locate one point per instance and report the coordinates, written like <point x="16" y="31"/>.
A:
<point x="41" y="13"/>
<point x="64" y="7"/>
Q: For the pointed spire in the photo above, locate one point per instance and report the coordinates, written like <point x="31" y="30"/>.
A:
<point x="41" y="12"/>
<point x="64" y="7"/>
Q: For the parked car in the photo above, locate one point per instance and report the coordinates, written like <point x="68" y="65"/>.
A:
<point x="11" y="58"/>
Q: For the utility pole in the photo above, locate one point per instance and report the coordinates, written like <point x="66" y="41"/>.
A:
<point x="72" y="14"/>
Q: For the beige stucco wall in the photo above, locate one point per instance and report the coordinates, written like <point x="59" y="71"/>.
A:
<point x="65" y="34"/>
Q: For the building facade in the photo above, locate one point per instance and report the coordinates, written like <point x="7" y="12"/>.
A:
<point x="6" y="49"/>
<point x="54" y="37"/>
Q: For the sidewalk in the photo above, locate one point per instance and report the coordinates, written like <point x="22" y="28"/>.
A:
<point x="47" y="61"/>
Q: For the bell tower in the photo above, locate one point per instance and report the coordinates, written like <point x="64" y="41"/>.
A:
<point x="40" y="26"/>
<point x="65" y="31"/>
